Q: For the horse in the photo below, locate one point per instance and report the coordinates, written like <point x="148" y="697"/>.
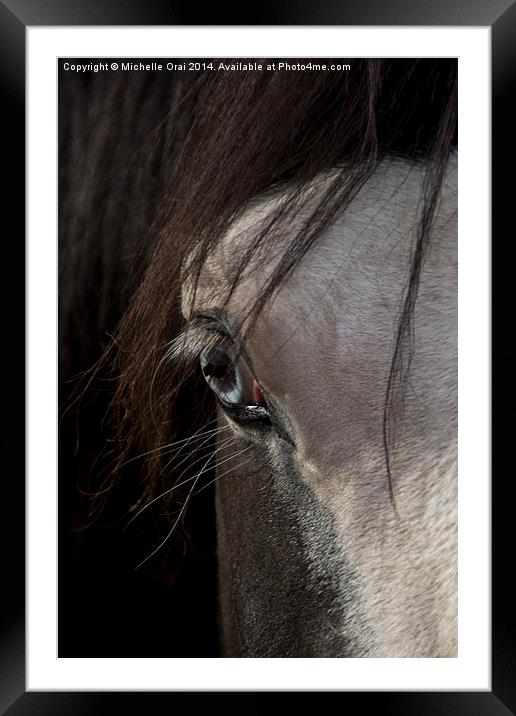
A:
<point x="291" y="341"/>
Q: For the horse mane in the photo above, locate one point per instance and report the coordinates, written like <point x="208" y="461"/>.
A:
<point x="156" y="167"/>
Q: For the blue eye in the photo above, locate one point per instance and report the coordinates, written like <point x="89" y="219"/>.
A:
<point x="231" y="380"/>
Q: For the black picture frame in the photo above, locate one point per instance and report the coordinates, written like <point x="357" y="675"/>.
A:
<point x="15" y="17"/>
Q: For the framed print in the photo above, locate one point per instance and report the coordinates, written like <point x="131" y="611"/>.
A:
<point x="147" y="157"/>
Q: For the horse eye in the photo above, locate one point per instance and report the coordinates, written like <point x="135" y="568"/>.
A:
<point x="230" y="380"/>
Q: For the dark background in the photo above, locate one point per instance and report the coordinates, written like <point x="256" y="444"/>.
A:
<point x="114" y="166"/>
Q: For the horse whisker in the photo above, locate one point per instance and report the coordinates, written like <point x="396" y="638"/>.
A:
<point x="219" y="430"/>
<point x="224" y="443"/>
<point x="164" y="448"/>
<point x="137" y="504"/>
<point x="181" y="512"/>
<point x="184" y="442"/>
<point x="178" y="484"/>
<point x="170" y="445"/>
<point x="179" y="515"/>
<point x="211" y="433"/>
<point x="226" y="472"/>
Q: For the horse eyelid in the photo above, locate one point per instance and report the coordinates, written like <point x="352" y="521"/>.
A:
<point x="199" y="334"/>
